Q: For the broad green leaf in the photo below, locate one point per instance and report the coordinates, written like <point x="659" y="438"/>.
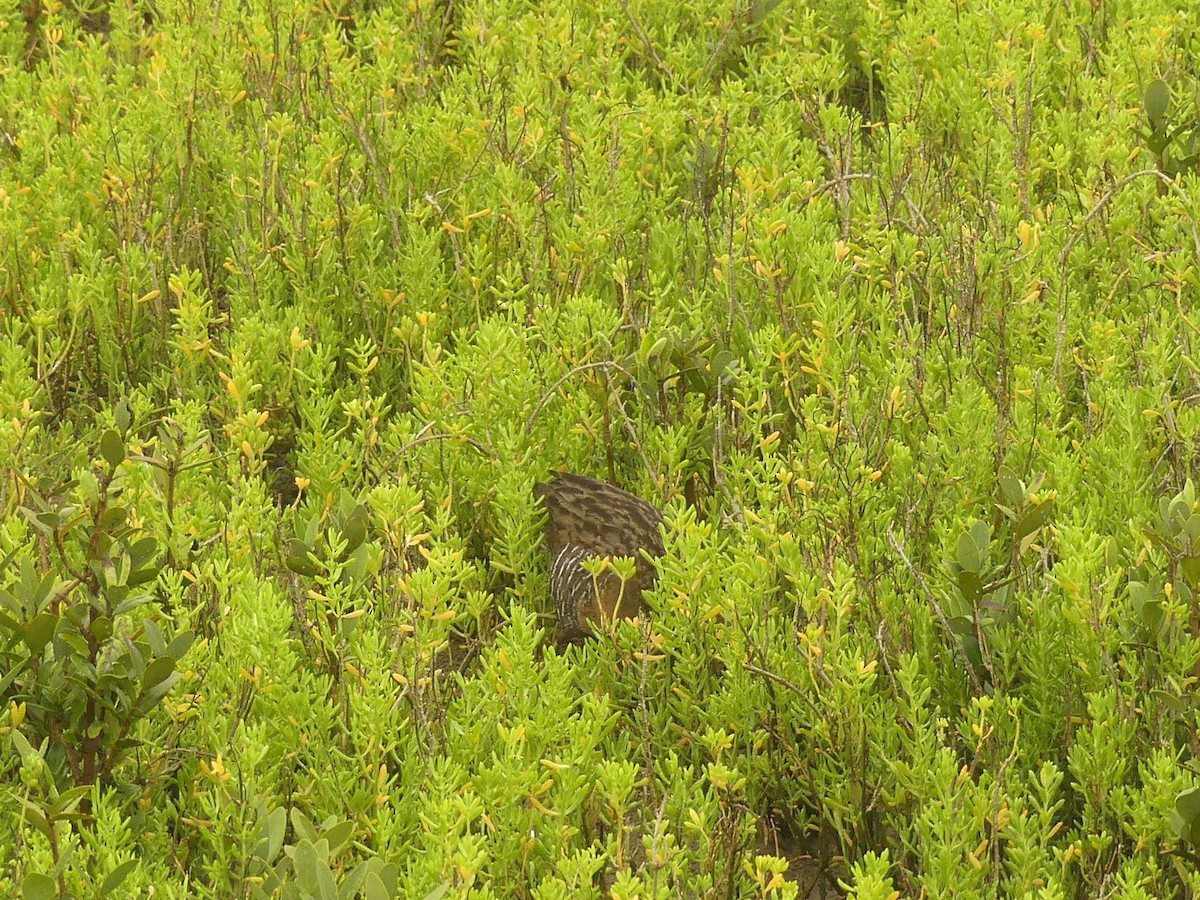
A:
<point x="350" y="884"/>
<point x="180" y="645"/>
<point x="114" y="517"/>
<point x="68" y="800"/>
<point x="22" y="745"/>
<point x="305" y="863"/>
<point x="276" y="831"/>
<point x="302" y="565"/>
<point x="962" y="625"/>
<point x="35" y="817"/>
<point x="373" y="888"/>
<point x="151" y="697"/>
<point x="154" y="637"/>
<point x="37" y="886"/>
<point x="970" y="586"/>
<point x="1192" y="526"/>
<point x="1010" y="487"/>
<point x="981" y="534"/>
<point x="968" y="553"/>
<point x="339" y="835"/>
<point x="39" y="632"/>
<point x="139" y="577"/>
<point x="356" y="565"/>
<point x="116" y="877"/>
<point x="354" y="531"/>
<point x="1190" y="568"/>
<point x="112" y="448"/>
<point x="1158" y="98"/>
<point x="303" y="825"/>
<point x="143" y="551"/>
<point x="389" y="874"/>
<point x="122" y="417"/>
<point x="300" y="559"/>
<point x="1175" y="705"/>
<point x="970" y="645"/>
<point x="1186" y="818"/>
<point x="157" y="672"/>
<point x="1035" y="518"/>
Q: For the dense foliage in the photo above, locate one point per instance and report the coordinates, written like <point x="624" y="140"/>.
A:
<point x="888" y="304"/>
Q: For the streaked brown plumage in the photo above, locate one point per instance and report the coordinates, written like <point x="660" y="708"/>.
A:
<point x="589" y="518"/>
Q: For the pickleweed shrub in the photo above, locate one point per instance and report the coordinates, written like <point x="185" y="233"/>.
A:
<point x="886" y="306"/>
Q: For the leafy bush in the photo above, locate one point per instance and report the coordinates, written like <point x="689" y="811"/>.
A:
<point x="888" y="306"/>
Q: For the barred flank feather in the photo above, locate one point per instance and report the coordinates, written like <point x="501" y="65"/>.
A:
<point x="590" y="518"/>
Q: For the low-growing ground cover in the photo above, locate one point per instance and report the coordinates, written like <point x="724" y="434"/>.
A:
<point x="888" y="305"/>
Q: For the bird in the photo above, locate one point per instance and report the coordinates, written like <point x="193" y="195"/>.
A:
<point x="589" y="519"/>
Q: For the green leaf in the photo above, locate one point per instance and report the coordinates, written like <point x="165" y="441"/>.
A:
<point x="968" y="553"/>
<point x="157" y="672"/>
<point x="7" y="622"/>
<point x="89" y="487"/>
<point x="45" y="522"/>
<point x="39" y="632"/>
<point x="300" y="559"/>
<point x="122" y="417"/>
<point x="963" y="626"/>
<point x="305" y="863"/>
<point x="24" y="748"/>
<point x="1035" y="518"/>
<point x="114" y="518"/>
<point x="143" y="551"/>
<point x="139" y="577"/>
<point x="1011" y="487"/>
<point x="127" y="604"/>
<point x="303" y="825"/>
<point x="981" y="534"/>
<point x="154" y="637"/>
<point x="116" y="877"/>
<point x="68" y="800"/>
<point x="75" y="641"/>
<point x="311" y="529"/>
<point x="1175" y="705"/>
<point x="1157" y="100"/>
<point x="302" y="565"/>
<point x="1186" y="818"/>
<point x="181" y="644"/>
<point x="970" y="645"/>
<point x="721" y="361"/>
<point x="112" y="448"/>
<point x="312" y="870"/>
<point x="37" y="886"/>
<point x="351" y="883"/>
<point x="389" y="874"/>
<point x="373" y="889"/>
<point x="1190" y="568"/>
<point x="36" y="817"/>
<point x="151" y="696"/>
<point x="970" y="585"/>
<point x="761" y="9"/>
<point x="356" y="565"/>
<point x="339" y="834"/>
<point x="1191" y="527"/>
<point x="354" y="531"/>
<point x="276" y="831"/>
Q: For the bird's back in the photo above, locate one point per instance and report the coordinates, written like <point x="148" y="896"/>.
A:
<point x="587" y="518"/>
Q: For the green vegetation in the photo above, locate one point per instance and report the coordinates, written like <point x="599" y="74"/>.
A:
<point x="889" y="305"/>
